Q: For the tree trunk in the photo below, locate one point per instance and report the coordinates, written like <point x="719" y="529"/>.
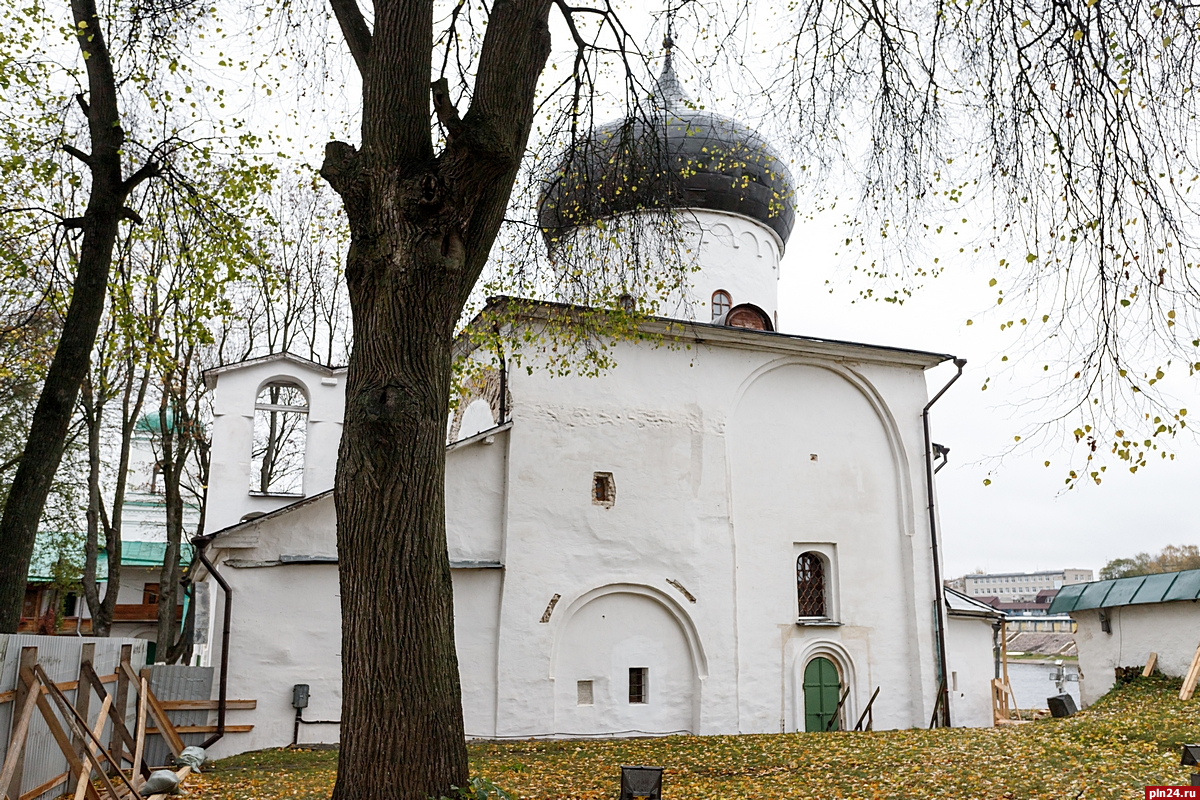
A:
<point x="51" y="419"/>
<point x="93" y="402"/>
<point x="101" y="609"/>
<point x="174" y="457"/>
<point x="48" y="430"/>
<point x="401" y="689"/>
<point x="421" y="227"/>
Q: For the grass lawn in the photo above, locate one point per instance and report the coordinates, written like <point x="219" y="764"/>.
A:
<point x="1128" y="740"/>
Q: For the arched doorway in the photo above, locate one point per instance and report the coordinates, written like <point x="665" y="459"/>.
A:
<point x="822" y="689"/>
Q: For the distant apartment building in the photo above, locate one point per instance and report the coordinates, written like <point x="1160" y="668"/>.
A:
<point x="1019" y="587"/>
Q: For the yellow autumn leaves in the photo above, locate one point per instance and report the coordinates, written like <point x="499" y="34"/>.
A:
<point x="1128" y="740"/>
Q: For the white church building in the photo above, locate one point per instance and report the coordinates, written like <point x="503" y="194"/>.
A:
<point x="727" y="536"/>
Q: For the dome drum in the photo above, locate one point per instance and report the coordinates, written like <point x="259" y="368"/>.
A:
<point x="671" y="158"/>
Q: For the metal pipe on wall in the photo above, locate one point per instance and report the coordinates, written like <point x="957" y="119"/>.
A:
<point x="938" y="593"/>
<point x="200" y="543"/>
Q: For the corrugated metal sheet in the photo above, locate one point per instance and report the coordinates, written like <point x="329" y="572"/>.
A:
<point x="179" y="682"/>
<point x="60" y="657"/>
<point x="1138" y="590"/>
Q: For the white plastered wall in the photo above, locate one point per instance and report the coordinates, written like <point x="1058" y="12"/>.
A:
<point x="971" y="664"/>
<point x="1168" y="629"/>
<point x="664" y="425"/>
<point x="229" y="497"/>
<point x="715" y="489"/>
<point x="286" y="622"/>
<point x="721" y="250"/>
<point x="740" y="256"/>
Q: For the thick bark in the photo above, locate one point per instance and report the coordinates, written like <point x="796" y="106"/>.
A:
<point x="421" y="230"/>
<point x="48" y="429"/>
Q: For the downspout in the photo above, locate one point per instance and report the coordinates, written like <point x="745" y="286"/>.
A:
<point x="503" y="409"/>
<point x="201" y="542"/>
<point x="938" y="592"/>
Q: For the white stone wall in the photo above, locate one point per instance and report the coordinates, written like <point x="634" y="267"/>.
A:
<point x="1170" y="629"/>
<point x="286" y="629"/>
<point x="715" y="488"/>
<point x="732" y="252"/>
<point x="739" y="255"/>
<point x="971" y="664"/>
<point x="729" y="458"/>
<point x="229" y="498"/>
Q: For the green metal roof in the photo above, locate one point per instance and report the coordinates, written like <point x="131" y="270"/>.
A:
<point x="150" y="423"/>
<point x="133" y="554"/>
<point x="1138" y="590"/>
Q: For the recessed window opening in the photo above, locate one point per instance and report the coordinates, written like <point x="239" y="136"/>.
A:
<point x="604" y="489"/>
<point x="150" y="594"/>
<point x="639" y="684"/>
<point x="280" y="431"/>
<point x="584" y="693"/>
<point x="810" y="585"/>
<point x="721" y="303"/>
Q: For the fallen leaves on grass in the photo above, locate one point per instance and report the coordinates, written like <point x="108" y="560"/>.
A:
<point x="1128" y="740"/>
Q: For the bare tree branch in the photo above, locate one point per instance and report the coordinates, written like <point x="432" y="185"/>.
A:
<point x="355" y="30"/>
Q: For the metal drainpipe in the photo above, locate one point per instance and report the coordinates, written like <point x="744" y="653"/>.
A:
<point x="201" y="542"/>
<point x="937" y="567"/>
<point x="503" y="389"/>
<point x="503" y="376"/>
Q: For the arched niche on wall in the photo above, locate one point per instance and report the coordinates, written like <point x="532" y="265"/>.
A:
<point x="626" y="661"/>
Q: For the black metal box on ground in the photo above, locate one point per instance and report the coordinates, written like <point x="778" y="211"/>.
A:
<point x="1061" y="705"/>
<point x="641" y="782"/>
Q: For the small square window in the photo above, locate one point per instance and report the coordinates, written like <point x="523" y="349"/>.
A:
<point x="149" y="594"/>
<point x="583" y="693"/>
<point x="639" y="685"/>
<point x="604" y="489"/>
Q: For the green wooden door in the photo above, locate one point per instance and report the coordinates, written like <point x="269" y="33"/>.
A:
<point x="821" y="691"/>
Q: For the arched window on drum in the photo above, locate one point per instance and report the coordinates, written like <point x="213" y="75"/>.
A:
<point x="810" y="586"/>
<point x="721" y="303"/>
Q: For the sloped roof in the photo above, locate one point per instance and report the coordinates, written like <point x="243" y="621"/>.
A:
<point x="960" y="605"/>
<point x="290" y="507"/>
<point x="708" y="333"/>
<point x="1164" y="587"/>
<point x="210" y="375"/>
<point x="133" y="554"/>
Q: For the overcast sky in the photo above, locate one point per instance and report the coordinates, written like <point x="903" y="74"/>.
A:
<point x="1024" y="520"/>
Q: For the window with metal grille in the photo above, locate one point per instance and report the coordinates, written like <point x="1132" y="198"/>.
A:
<point x="721" y="303"/>
<point x="810" y="585"/>
<point x="638" y="685"/>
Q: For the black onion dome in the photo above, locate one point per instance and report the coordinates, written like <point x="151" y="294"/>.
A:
<point x="670" y="157"/>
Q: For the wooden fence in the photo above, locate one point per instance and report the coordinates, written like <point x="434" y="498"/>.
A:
<point x="49" y="742"/>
